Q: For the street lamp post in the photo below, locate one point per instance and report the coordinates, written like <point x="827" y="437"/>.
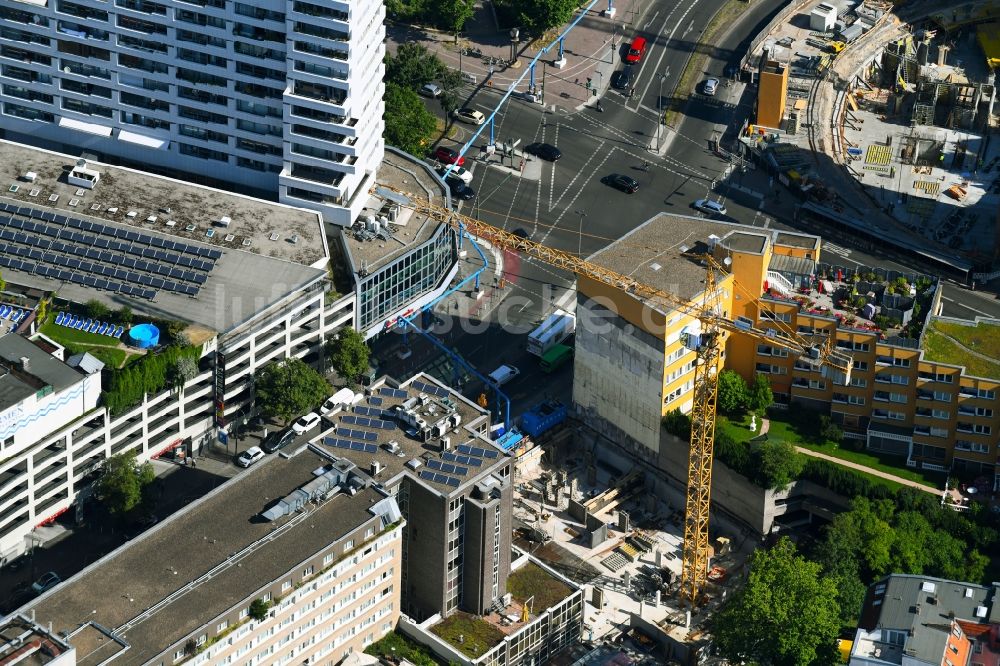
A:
<point x="579" y="246"/>
<point x="515" y="36"/>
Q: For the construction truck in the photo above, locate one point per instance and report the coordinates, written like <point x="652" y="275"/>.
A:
<point x="836" y="46"/>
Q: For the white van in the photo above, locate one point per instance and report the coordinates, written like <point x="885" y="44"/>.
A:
<point x="504" y="374"/>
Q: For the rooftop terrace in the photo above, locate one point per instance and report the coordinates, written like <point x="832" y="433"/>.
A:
<point x="26" y="643"/>
<point x="178" y="209"/>
<point x="372" y="431"/>
<point x="155" y="590"/>
<point x="419" y="182"/>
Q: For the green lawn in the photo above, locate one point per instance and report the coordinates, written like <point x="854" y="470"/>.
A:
<point x="105" y="348"/>
<point x="532" y="580"/>
<point x="983" y="338"/>
<point x="477" y="634"/>
<point x="801" y="434"/>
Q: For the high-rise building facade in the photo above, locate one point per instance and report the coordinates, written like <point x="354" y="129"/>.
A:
<point x="278" y="98"/>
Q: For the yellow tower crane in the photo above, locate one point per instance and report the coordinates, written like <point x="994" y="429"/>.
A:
<point x="822" y="355"/>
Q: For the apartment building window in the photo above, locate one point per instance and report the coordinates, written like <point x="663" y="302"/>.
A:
<point x="859" y="382"/>
<point x="349" y="544"/>
<point x="942" y="396"/>
<point x="203" y="153"/>
<point x="974" y="447"/>
<point x="203" y="96"/>
<point x="130" y="118"/>
<point x="849" y="399"/>
<point x="776" y="316"/>
<point x="202" y="116"/>
<point x="23" y="55"/>
<point x="892" y="360"/>
<point x="179" y="654"/>
<point x="897" y="397"/>
<point x="84" y="88"/>
<point x="222" y="626"/>
<point x="25" y="75"/>
<point x="259" y="14"/>
<point x="143" y="6"/>
<point x="26" y="113"/>
<point x="286" y="585"/>
<point x="131" y="99"/>
<point x="769" y="369"/>
<point x="257" y="90"/>
<point x="199" y="38"/>
<point x="21" y="16"/>
<point x="80" y="11"/>
<point x="258" y="34"/>
<point x="257" y="165"/>
<point x="768" y="350"/>
<point x="853" y="346"/>
<point x="262" y="52"/>
<point x="244" y="612"/>
<point x="16" y="35"/>
<point x="139" y="25"/>
<point x="308" y="571"/>
<point x="202" y="133"/>
<point x="86" y="108"/>
<point x="202" y="58"/>
<point x="938" y="432"/>
<point x="259" y="128"/>
<point x="197" y="18"/>
<point x="936" y="377"/>
<point x="201" y="78"/>
<point x="28" y="94"/>
<point x="861" y="366"/>
<point x="201" y="640"/>
<point x="940" y="414"/>
<point x="258" y="72"/>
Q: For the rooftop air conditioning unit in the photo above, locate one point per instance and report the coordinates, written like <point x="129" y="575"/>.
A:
<point x="225" y="220"/>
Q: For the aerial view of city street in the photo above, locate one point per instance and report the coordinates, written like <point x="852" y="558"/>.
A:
<point x="499" y="332"/>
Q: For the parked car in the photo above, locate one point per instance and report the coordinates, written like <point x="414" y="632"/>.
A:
<point x="544" y="150"/>
<point x="470" y="116"/>
<point x="250" y="456"/>
<point x="139" y="526"/>
<point x="636" y="50"/>
<point x="430" y="90"/>
<point x="448" y="156"/>
<point x="710" y="207"/>
<point x="710" y="87"/>
<point x="621" y="182"/>
<point x="504" y="374"/>
<point x="460" y="190"/>
<point x="46" y="582"/>
<point x="622" y="79"/>
<point x="457" y="173"/>
<point x="305" y="423"/>
<point x="278" y="440"/>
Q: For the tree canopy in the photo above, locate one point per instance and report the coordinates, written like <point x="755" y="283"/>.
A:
<point x="537" y="16"/>
<point x="348" y="354"/>
<point x="759" y="395"/>
<point x="732" y="392"/>
<point x="412" y="66"/>
<point x="121" y="482"/>
<point x="450" y="15"/>
<point x="288" y="388"/>
<point x="785" y="614"/>
<point x="408" y="123"/>
<point x="775" y="464"/>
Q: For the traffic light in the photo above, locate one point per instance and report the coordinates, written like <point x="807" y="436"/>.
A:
<point x="589" y="83"/>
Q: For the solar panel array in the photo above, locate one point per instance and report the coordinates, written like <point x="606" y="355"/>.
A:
<point x="440" y="478"/>
<point x="447" y="467"/>
<point x="375" y="401"/>
<point x="100" y="256"/>
<point x="367" y="422"/>
<point x="465" y="460"/>
<point x="392" y="393"/>
<point x="348" y="444"/>
<point x="478" y="452"/>
<point x="431" y="389"/>
<point x="371" y="411"/>
<point x="357" y="434"/>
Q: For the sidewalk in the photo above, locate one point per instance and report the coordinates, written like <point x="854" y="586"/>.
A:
<point x="591" y="50"/>
<point x="868" y="470"/>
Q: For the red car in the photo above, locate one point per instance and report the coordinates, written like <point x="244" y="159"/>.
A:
<point x="636" y="50"/>
<point x="448" y="156"/>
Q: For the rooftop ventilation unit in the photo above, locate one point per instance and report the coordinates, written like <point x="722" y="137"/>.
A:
<point x="980" y="611"/>
<point x="30" y="177"/>
<point x="928" y="586"/>
<point x="415" y="463"/>
<point x="225" y="221"/>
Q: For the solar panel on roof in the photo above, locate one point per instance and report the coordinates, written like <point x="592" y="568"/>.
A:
<point x="42" y="269"/>
<point x="375" y="400"/>
<point x="89" y="281"/>
<point x="87" y="225"/>
<point x="145" y="280"/>
<point x="36" y="255"/>
<point x="113" y="286"/>
<point x="144" y="238"/>
<point x="491" y="453"/>
<point x="130" y="236"/>
<point x="156" y="283"/>
<point x="214" y="254"/>
<point x="20" y="238"/>
<point x="28" y="225"/>
<point x="157" y="241"/>
<point x="75" y="222"/>
<point x="77" y="278"/>
<point x="126" y="289"/>
<point x="141" y="264"/>
<point x="59" y="219"/>
<point x="162" y="269"/>
<point x="392" y="393"/>
<point x="102" y="283"/>
<point x="149" y="294"/>
<point x="93" y="254"/>
<point x="5" y="262"/>
<point x="170" y="285"/>
<point x="86" y="266"/>
<point x="149" y="253"/>
<point x="128" y="262"/>
<point x="168" y="244"/>
<point x="102" y="243"/>
<point x="424" y="474"/>
<point x="16" y="223"/>
<point x="199" y="279"/>
<point x="185" y="261"/>
<point x="434" y="464"/>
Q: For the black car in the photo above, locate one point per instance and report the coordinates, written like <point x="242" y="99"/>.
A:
<point x="277" y="441"/>
<point x="460" y="190"/>
<point x="621" y="182"/>
<point x="622" y="79"/>
<point x="544" y="150"/>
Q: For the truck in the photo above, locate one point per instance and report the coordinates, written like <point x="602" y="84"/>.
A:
<point x="556" y="328"/>
<point x="556" y="357"/>
<point x="543" y="417"/>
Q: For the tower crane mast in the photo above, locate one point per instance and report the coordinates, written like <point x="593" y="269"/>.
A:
<point x="822" y="355"/>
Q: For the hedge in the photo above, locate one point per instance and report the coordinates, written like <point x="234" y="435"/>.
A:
<point x="126" y="387"/>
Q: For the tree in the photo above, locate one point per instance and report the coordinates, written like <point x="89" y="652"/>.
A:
<point x="184" y="369"/>
<point x="408" y="123"/>
<point x="451" y="14"/>
<point x="412" y="66"/>
<point x="258" y="609"/>
<point x="124" y="316"/>
<point x="775" y="464"/>
<point x="537" y="16"/>
<point x="288" y="388"/>
<point x="121" y="482"/>
<point x="95" y="309"/>
<point x="759" y="395"/>
<point x="348" y="353"/>
<point x="785" y="614"/>
<point x="451" y="85"/>
<point x="678" y="424"/>
<point x="732" y="392"/>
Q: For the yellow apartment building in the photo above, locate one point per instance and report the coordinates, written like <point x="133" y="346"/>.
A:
<point x="632" y="365"/>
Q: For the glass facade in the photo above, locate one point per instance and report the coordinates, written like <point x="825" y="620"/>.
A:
<point x="399" y="283"/>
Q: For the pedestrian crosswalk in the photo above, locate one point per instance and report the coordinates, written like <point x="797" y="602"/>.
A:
<point x="878" y="154"/>
<point x="836" y="249"/>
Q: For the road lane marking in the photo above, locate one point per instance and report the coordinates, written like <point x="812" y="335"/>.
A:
<point x="966" y="307"/>
<point x="666" y="44"/>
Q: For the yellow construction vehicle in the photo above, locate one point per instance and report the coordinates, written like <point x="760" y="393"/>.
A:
<point x="822" y="355"/>
<point x="836" y="47"/>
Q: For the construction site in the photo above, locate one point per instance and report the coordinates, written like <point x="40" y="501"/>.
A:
<point x="893" y="103"/>
<point x="595" y="519"/>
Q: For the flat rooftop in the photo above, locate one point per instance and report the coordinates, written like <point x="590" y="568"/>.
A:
<point x="106" y="261"/>
<point x="121" y="191"/>
<point x="16" y="383"/>
<point x="369" y="432"/>
<point x="155" y="590"/>
<point x="974" y="346"/>
<point x="26" y="643"/>
<point x="653" y="253"/>
<point x="419" y="183"/>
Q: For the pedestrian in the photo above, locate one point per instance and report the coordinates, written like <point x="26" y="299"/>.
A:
<point x="599" y="106"/>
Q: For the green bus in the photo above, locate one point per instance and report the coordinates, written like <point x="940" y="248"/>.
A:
<point x="556" y="357"/>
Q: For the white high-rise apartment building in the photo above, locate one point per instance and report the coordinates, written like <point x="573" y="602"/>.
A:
<point x="281" y="98"/>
